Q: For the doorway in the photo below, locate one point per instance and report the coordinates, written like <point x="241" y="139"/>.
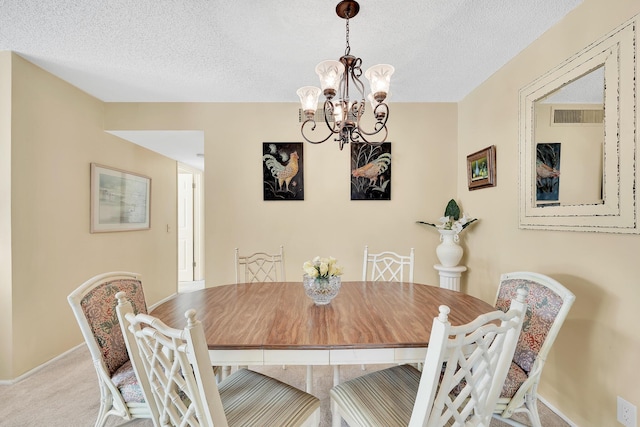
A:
<point x="190" y="224"/>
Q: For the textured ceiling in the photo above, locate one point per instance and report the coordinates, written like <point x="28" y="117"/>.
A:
<point x="262" y="51"/>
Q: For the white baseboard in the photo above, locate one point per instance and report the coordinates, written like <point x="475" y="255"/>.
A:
<point x="553" y="409"/>
<point x="557" y="412"/>
<point x="37" y="368"/>
<point x="160" y="302"/>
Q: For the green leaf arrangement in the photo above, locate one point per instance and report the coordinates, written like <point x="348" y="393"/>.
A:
<point x="451" y="219"/>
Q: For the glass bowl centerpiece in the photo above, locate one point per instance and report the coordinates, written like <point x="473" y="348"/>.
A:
<point x="321" y="279"/>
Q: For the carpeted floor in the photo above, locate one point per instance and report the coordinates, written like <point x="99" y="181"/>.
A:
<point x="65" y="394"/>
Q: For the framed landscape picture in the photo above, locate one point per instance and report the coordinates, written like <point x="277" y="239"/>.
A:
<point x="282" y="171"/>
<point x="481" y="168"/>
<point x="120" y="200"/>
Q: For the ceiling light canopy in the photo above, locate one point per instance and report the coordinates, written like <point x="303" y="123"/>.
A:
<point x="341" y="114"/>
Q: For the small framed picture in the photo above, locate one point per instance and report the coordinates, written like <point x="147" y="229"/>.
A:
<point x="120" y="200"/>
<point x="481" y="168"/>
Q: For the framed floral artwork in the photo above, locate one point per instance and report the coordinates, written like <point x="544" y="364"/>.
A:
<point x="481" y="168"/>
<point x="282" y="171"/>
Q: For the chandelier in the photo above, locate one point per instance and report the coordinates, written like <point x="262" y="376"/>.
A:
<point x="341" y="114"/>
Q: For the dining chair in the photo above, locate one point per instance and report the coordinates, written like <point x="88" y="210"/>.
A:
<point x="548" y="304"/>
<point x="93" y="305"/>
<point x="472" y="359"/>
<point x="260" y="267"/>
<point x="388" y="266"/>
<point x="178" y="372"/>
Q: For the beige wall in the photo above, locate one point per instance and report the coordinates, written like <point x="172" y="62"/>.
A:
<point x="6" y="337"/>
<point x="595" y="357"/>
<point x="56" y="132"/>
<point x="327" y="222"/>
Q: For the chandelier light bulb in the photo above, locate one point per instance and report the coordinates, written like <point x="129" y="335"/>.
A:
<point x="309" y="99"/>
<point x="379" y="77"/>
<point x="330" y="73"/>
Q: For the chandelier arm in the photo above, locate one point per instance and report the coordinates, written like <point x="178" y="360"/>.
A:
<point x="357" y="109"/>
<point x="312" y="129"/>
<point x="356" y="73"/>
<point x="381" y="122"/>
<point x="360" y="134"/>
<point x="333" y="129"/>
<point x="329" y="109"/>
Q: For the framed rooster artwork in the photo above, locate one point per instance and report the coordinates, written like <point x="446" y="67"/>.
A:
<point x="371" y="171"/>
<point x="282" y="171"/>
<point x="547" y="173"/>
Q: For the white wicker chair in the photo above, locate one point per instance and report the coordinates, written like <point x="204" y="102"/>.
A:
<point x="93" y="305"/>
<point x="178" y="371"/>
<point x="260" y="267"/>
<point x="388" y="266"/>
<point x="548" y="304"/>
<point x="471" y="359"/>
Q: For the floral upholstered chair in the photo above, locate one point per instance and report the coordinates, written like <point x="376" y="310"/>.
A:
<point x="548" y="304"/>
<point x="93" y="305"/>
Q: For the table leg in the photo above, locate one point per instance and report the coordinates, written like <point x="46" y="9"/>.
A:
<point x="310" y="379"/>
<point x="226" y="371"/>
<point x="336" y="420"/>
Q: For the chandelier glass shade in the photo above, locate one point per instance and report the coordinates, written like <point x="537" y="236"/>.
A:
<point x="342" y="114"/>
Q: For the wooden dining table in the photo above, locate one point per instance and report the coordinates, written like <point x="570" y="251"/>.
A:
<point x="275" y="323"/>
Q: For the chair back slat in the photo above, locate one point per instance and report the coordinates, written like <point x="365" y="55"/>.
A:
<point x="387" y="266"/>
<point x="476" y="358"/>
<point x="260" y="267"/>
<point x="174" y="366"/>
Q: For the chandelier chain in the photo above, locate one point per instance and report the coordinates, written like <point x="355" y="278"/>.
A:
<point x="347" y="50"/>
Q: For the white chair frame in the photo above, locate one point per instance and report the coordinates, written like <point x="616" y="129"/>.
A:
<point x="477" y="357"/>
<point x="111" y="401"/>
<point x="526" y="398"/>
<point x="260" y="267"/>
<point x="387" y="266"/>
<point x="175" y="364"/>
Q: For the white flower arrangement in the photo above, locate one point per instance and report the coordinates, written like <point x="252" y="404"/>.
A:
<point x="449" y="223"/>
<point x="322" y="268"/>
<point x="451" y="219"/>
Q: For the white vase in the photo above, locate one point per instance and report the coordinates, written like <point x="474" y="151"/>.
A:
<point x="449" y="251"/>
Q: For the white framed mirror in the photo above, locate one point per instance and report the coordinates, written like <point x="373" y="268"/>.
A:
<point x="578" y="140"/>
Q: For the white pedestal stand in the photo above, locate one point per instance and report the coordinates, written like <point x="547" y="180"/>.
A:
<point x="450" y="276"/>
